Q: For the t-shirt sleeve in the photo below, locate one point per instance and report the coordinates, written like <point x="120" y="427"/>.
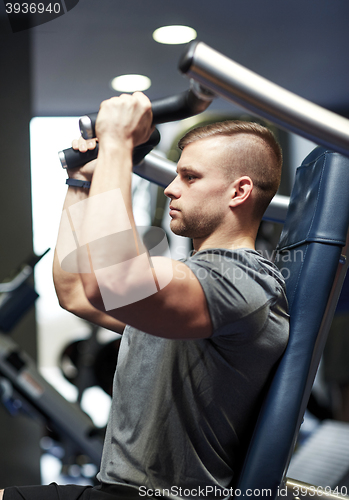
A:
<point x="236" y="300"/>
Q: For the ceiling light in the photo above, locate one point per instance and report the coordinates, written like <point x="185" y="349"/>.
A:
<point x="174" y="34"/>
<point x="130" y="83"/>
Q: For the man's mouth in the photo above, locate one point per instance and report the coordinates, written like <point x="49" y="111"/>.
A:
<point x="173" y="210"/>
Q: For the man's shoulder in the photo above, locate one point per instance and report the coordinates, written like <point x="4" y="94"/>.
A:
<point x="247" y="260"/>
<point x="238" y="284"/>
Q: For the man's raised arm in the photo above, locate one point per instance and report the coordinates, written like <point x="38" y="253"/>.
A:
<point x="155" y="295"/>
<point x="67" y="280"/>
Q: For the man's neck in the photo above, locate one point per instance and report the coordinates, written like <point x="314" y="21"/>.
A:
<point x="244" y="241"/>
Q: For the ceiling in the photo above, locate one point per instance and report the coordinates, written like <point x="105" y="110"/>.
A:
<point x="301" y="45"/>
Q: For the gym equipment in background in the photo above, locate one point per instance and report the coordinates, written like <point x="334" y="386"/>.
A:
<point x="23" y="389"/>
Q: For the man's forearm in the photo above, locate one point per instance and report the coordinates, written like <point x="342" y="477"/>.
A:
<point x="113" y="264"/>
<point x="120" y="269"/>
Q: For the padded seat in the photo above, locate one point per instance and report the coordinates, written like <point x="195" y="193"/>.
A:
<point x="308" y="255"/>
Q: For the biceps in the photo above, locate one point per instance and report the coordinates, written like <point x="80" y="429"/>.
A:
<point x="178" y="310"/>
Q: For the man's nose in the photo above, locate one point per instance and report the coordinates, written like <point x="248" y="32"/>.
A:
<point x="173" y="189"/>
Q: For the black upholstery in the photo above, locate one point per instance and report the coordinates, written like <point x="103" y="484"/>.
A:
<point x="308" y="255"/>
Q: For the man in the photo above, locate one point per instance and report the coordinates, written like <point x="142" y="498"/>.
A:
<point x="203" y="334"/>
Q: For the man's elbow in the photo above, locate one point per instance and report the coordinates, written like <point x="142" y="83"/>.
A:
<point x="63" y="303"/>
<point x="69" y="301"/>
<point x="64" y="297"/>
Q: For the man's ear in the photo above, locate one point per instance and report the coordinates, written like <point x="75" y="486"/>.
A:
<point x="241" y="191"/>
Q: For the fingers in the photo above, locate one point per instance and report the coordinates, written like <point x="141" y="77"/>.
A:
<point x="126" y="119"/>
<point x="142" y="98"/>
<point x="82" y="145"/>
<point x="86" y="171"/>
<point x="128" y="104"/>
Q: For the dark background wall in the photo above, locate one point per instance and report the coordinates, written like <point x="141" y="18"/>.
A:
<point x="19" y="436"/>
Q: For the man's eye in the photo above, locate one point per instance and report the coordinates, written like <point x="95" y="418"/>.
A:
<point x="190" y="177"/>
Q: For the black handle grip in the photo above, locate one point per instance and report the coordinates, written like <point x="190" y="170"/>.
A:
<point x="168" y="109"/>
<point x="71" y="158"/>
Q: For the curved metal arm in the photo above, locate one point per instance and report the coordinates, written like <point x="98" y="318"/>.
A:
<point x="232" y="81"/>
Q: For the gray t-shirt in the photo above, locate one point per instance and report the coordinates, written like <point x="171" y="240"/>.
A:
<point x="183" y="410"/>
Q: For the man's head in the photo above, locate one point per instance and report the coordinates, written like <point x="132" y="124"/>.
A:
<point x="257" y="155"/>
<point x="240" y="168"/>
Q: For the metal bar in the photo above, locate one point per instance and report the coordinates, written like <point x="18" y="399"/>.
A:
<point x="263" y="98"/>
<point x="299" y="490"/>
<point x="156" y="169"/>
<point x="161" y="171"/>
<point x="277" y="209"/>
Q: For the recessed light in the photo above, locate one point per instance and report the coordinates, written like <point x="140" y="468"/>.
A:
<point x="174" y="34"/>
<point x="131" y="83"/>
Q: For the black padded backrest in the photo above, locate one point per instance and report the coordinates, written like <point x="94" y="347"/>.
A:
<point x="308" y="255"/>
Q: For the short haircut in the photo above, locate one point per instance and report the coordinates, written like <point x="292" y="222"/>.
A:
<point x="260" y="158"/>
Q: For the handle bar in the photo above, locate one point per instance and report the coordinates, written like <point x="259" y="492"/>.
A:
<point x="71" y="158"/>
<point x="169" y="109"/>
